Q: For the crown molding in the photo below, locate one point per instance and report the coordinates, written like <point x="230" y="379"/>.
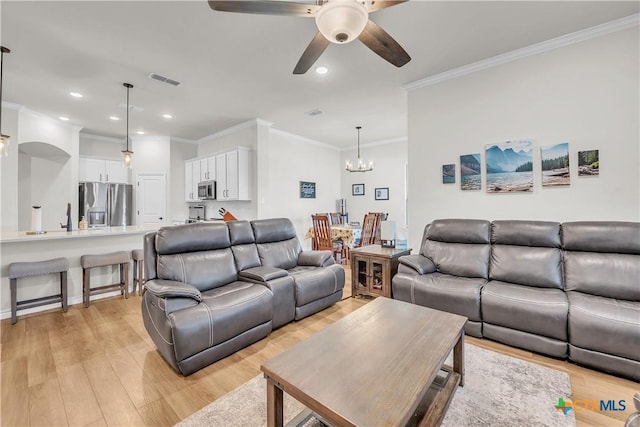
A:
<point x="398" y="140"/>
<point x="183" y="140"/>
<point x="535" y="49"/>
<point x="233" y="129"/>
<point x="102" y="138"/>
<point x="12" y="105"/>
<point x="304" y="139"/>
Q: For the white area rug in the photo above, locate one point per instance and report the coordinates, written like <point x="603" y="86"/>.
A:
<point x="499" y="391"/>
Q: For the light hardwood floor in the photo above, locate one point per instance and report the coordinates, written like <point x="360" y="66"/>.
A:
<point x="97" y="366"/>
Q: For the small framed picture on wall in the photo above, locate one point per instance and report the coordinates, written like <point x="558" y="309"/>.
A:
<point x="307" y="190"/>
<point x="382" y="193"/>
<point x="357" y="190"/>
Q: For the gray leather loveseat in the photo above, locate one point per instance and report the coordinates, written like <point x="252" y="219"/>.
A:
<point x="215" y="288"/>
<point x="565" y="290"/>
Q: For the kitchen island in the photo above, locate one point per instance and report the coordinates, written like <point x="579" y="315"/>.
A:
<point x="22" y="247"/>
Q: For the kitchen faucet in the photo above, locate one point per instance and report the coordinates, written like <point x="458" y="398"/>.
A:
<point x="69" y="226"/>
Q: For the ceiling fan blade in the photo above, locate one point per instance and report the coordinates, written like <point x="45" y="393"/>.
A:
<point x="311" y="53"/>
<point x="265" y="7"/>
<point x="381" y="4"/>
<point x="379" y="41"/>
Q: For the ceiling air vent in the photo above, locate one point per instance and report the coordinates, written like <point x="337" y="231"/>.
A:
<point x="163" y="79"/>
<point x="316" y="112"/>
<point x="131" y="108"/>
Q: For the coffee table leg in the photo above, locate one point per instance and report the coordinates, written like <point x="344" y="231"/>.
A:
<point x="274" y="404"/>
<point x="458" y="358"/>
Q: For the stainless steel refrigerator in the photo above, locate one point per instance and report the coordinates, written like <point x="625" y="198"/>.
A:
<point x="103" y="204"/>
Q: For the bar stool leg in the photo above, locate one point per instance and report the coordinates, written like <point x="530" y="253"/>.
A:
<point x="124" y="268"/>
<point x="135" y="277"/>
<point x="63" y="290"/>
<point x="86" y="274"/>
<point x="140" y="278"/>
<point x="14" y="300"/>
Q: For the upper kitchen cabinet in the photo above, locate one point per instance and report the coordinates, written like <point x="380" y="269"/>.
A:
<point x="208" y="168"/>
<point x="100" y="170"/>
<point x="191" y="180"/>
<point x="233" y="175"/>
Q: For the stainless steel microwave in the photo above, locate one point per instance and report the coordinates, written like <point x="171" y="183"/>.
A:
<point x="207" y="190"/>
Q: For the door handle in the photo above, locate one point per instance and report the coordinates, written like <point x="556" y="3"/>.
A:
<point x="160" y="218"/>
<point x="107" y="177"/>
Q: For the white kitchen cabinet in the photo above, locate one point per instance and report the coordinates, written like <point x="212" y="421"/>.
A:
<point x="208" y="168"/>
<point x="233" y="175"/>
<point x="191" y="180"/>
<point x="116" y="172"/>
<point x="100" y="170"/>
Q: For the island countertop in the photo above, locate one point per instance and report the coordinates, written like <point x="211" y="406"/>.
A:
<point x="22" y="236"/>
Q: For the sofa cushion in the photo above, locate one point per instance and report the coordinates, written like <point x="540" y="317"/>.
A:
<point x="539" y="311"/>
<point x="240" y="232"/>
<point x="459" y="231"/>
<point x="459" y="295"/>
<point x="526" y="233"/>
<point x="224" y="313"/>
<point x="459" y="259"/>
<point x="273" y="230"/>
<point x="604" y="324"/>
<point x="203" y="270"/>
<point x="529" y="266"/>
<point x="283" y="254"/>
<point x="602" y="236"/>
<point x="314" y="283"/>
<point x="192" y="238"/>
<point x="608" y="275"/>
<point x="246" y="256"/>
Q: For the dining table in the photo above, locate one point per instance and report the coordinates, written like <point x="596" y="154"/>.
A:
<point x="347" y="233"/>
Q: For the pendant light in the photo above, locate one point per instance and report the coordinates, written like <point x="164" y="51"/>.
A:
<point x="4" y="139"/>
<point x="361" y="165"/>
<point x="127" y="155"/>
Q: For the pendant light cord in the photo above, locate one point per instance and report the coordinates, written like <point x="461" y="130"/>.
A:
<point x="128" y="117"/>
<point x="358" y="127"/>
<point x="2" y="51"/>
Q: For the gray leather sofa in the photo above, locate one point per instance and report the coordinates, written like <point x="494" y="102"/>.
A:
<point x="215" y="288"/>
<point x="565" y="290"/>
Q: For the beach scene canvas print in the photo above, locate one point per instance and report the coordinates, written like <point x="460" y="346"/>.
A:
<point x="470" y="172"/>
<point x="509" y="166"/>
<point x="448" y="174"/>
<point x="555" y="164"/>
<point x="588" y="163"/>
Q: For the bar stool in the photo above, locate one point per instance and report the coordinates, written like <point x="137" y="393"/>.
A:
<point x="18" y="270"/>
<point x="138" y="263"/>
<point x="88" y="262"/>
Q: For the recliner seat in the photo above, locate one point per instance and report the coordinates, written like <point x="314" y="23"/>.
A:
<point x="214" y="289"/>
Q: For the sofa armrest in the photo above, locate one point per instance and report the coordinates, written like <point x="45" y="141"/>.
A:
<point x="172" y="289"/>
<point x="262" y="274"/>
<point x="419" y="263"/>
<point x="316" y="258"/>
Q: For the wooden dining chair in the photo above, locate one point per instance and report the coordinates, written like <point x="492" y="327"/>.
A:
<point x="370" y="229"/>
<point x="322" y="237"/>
<point x="336" y="218"/>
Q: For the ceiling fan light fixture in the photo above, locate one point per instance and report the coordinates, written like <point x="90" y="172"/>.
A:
<point x="342" y="21"/>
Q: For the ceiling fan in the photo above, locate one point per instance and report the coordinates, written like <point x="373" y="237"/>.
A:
<point x="338" y="21"/>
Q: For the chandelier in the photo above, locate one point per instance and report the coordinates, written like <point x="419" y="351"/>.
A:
<point x="361" y="165"/>
<point x="127" y="155"/>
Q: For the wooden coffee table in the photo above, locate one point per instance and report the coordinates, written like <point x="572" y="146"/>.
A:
<point x="374" y="367"/>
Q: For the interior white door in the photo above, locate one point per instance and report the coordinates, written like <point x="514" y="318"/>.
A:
<point x="151" y="198"/>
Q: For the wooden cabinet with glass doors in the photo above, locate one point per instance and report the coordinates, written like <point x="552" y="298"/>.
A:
<point x="372" y="268"/>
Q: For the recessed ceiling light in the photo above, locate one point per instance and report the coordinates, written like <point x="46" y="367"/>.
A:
<point x="322" y="70"/>
<point x="167" y="116"/>
<point x="64" y="119"/>
<point x="114" y="118"/>
<point x="140" y="132"/>
<point x="76" y="94"/>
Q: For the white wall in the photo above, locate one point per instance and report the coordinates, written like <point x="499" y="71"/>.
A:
<point x="36" y="127"/>
<point x="151" y="154"/>
<point x="9" y="167"/>
<point x="180" y="152"/>
<point x="289" y="160"/>
<point x="100" y="147"/>
<point x="389" y="172"/>
<point x="586" y="94"/>
<point x="50" y="189"/>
